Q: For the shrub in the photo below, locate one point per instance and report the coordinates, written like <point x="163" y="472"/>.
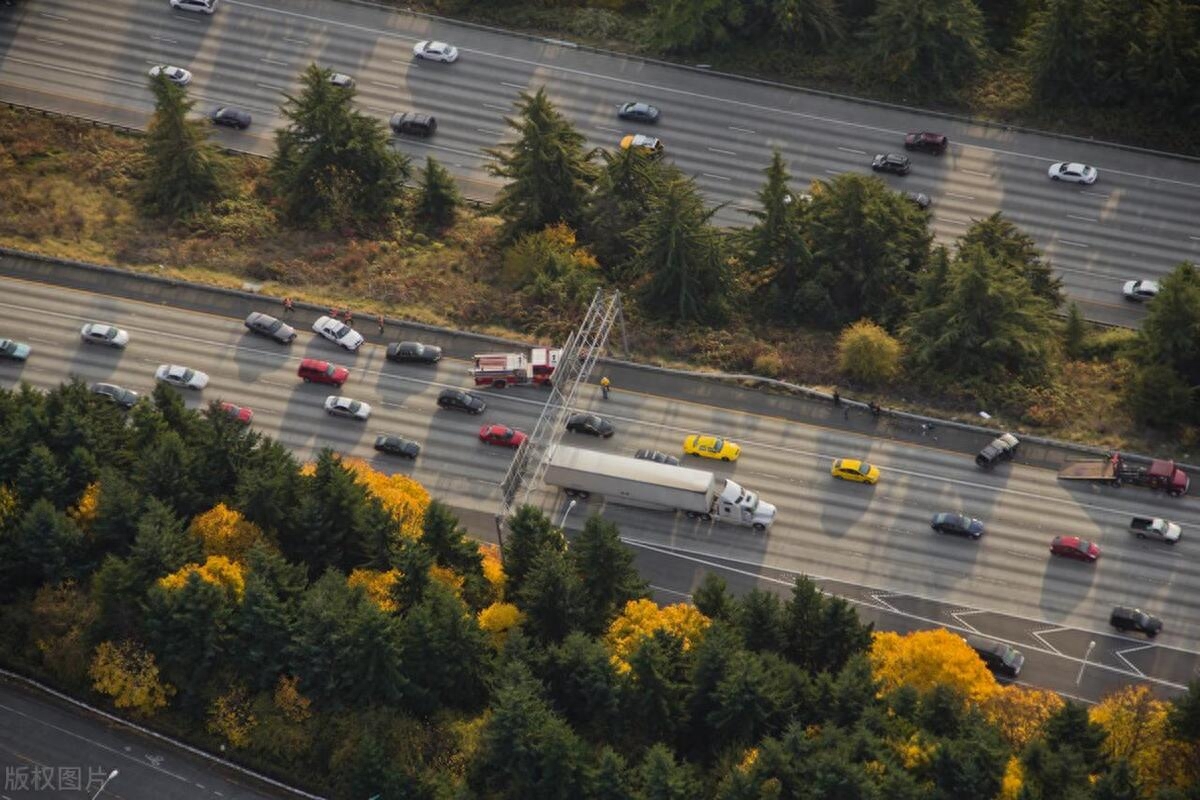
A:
<point x="868" y="354"/>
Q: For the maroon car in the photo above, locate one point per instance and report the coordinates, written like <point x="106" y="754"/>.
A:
<point x="926" y="142"/>
<point x="1074" y="547"/>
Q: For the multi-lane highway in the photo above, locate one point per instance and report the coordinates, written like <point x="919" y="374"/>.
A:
<point x="1139" y="220"/>
<point x="871" y="543"/>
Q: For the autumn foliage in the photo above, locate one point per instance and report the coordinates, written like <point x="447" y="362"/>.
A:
<point x="402" y="496"/>
<point x="217" y="570"/>
<point x="224" y="532"/>
<point x="1018" y="712"/>
<point x="377" y="585"/>
<point x="127" y="673"/>
<point x="925" y="659"/>
<point x="1136" y="724"/>
<point x="498" y="619"/>
<point x="230" y="717"/>
<point x="640" y="619"/>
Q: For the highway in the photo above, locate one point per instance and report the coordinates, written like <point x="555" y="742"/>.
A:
<point x="872" y="544"/>
<point x="1137" y="221"/>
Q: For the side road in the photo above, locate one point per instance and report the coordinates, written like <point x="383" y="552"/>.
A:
<point x="745" y="392"/>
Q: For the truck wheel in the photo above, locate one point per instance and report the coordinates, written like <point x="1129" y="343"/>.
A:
<point x="706" y="517"/>
<point x="1141" y="535"/>
<point x="498" y="384"/>
<point x="758" y="526"/>
<point x="724" y="458"/>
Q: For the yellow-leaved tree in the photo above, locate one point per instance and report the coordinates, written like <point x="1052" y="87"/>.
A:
<point x="925" y="659"/>
<point x="640" y="619"/>
<point x="8" y="505"/>
<point x="1019" y="712"/>
<point x="288" y="699"/>
<point x="404" y="498"/>
<point x="223" y="531"/>
<point x="126" y="672"/>
<point x="1136" y="724"/>
<point x="217" y="570"/>
<point x="84" y="512"/>
<point x="498" y="619"/>
<point x="378" y="586"/>
<point x="869" y="354"/>
<point x="1014" y="778"/>
<point x="493" y="569"/>
<point x="230" y="717"/>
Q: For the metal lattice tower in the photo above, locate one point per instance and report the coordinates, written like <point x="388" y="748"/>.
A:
<point x="579" y="354"/>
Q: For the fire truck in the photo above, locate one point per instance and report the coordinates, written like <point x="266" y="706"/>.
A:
<point x="516" y="369"/>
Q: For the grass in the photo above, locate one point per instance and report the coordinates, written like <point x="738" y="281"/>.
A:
<point x="69" y="191"/>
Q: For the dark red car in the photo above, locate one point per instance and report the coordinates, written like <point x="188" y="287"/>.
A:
<point x="1074" y="547"/>
<point x="501" y="435"/>
<point x="926" y="142"/>
<point x="240" y="413"/>
<point x="313" y="370"/>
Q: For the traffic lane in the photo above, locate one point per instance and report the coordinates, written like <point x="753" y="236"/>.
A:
<point x="39" y="732"/>
<point x="673" y="577"/>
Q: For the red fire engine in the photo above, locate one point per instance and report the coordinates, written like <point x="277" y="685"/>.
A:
<point x="503" y="369"/>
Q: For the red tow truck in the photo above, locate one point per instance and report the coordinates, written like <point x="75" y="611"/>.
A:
<point x="516" y="369"/>
<point x="1115" y="470"/>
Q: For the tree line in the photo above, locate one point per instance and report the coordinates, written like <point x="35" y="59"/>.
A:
<point x="336" y="627"/>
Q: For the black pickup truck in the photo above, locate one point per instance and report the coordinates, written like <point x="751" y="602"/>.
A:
<point x="1002" y="448"/>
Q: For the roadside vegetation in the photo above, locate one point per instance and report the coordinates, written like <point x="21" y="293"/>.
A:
<point x="1116" y="70"/>
<point x="833" y="284"/>
<point x="335" y="627"/>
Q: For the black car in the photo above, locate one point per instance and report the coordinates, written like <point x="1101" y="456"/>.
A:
<point x="397" y="446"/>
<point x="891" y="162"/>
<point x="591" y="425"/>
<point x="657" y="457"/>
<point x="231" y="117"/>
<point x="266" y="325"/>
<point x="409" y="123"/>
<point x="958" y="524"/>
<point x="459" y="400"/>
<point x="1001" y="658"/>
<point x="639" y="112"/>
<point x="1124" y="618"/>
<point x="413" y="353"/>
<point x="927" y="142"/>
<point x="123" y="397"/>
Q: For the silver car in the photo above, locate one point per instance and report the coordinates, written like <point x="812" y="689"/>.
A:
<point x="176" y="75"/>
<point x="107" y="335"/>
<point x="337" y="406"/>
<point x="436" y="51"/>
<point x="182" y="377"/>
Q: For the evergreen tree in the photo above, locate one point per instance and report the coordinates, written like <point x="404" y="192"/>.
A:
<point x="813" y="23"/>
<point x="1119" y="783"/>
<point x="775" y="249"/>
<point x="690" y="25"/>
<point x="548" y="171"/>
<point x="660" y="777"/>
<point x="41" y="477"/>
<point x="840" y="635"/>
<point x="926" y="46"/>
<point x="414" y="561"/>
<point x="182" y="173"/>
<point x="330" y="503"/>
<point x="1060" y="51"/>
<point x="1184" y="714"/>
<point x="451" y="547"/>
<point x="761" y="622"/>
<point x="604" y="572"/>
<point x="438" y="198"/>
<point x="988" y="332"/>
<point x="162" y="544"/>
<point x="164" y="472"/>
<point x="656" y="689"/>
<point x="747" y="704"/>
<point x="608" y="780"/>
<point x="44" y="547"/>
<point x="970" y="766"/>
<point x="1164" y="62"/>
<point x="548" y="597"/>
<point x="263" y="627"/>
<point x="683" y="255"/>
<point x="1162" y="391"/>
<point x="333" y="165"/>
<point x="628" y="181"/>
<point x="712" y="599"/>
<point x="530" y="533"/>
<point x="583" y="686"/>
<point x="117" y="592"/>
<point x="445" y="653"/>
<point x="1074" y="332"/>
<point x="189" y="629"/>
<point x="1015" y="250"/>
<point x="267" y="489"/>
<point x="712" y="662"/>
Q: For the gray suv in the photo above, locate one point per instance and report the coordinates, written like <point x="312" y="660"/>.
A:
<point x="409" y="123"/>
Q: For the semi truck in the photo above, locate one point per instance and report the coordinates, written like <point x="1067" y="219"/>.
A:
<point x="648" y="484"/>
<point x="516" y="369"/>
<point x="1116" y="471"/>
<point x="1155" y="528"/>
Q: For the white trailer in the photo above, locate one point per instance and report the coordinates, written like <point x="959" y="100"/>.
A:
<point x="647" y="484"/>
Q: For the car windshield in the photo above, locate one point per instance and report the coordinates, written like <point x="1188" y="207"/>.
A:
<point x="330" y="369"/>
<point x="274" y="325"/>
<point x="718" y="444"/>
<point x="186" y="374"/>
<point x="354" y="406"/>
<point x="864" y="468"/>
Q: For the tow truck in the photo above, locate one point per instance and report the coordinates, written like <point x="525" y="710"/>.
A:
<point x="516" y="369"/>
<point x="1116" y="471"/>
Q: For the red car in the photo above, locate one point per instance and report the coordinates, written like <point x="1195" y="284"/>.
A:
<point x="501" y="435"/>
<point x="241" y="413"/>
<point x="313" y="370"/>
<point x="1074" y="547"/>
<point x="926" y="142"/>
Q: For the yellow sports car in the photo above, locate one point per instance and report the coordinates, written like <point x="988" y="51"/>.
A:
<point x="851" y="469"/>
<point x="711" y="447"/>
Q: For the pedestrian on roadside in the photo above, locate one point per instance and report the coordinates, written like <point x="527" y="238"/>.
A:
<point x="349" y="319"/>
<point x="288" y="306"/>
<point x="837" y="398"/>
<point x="380" y="320"/>
<point x="604" y="384"/>
<point x="334" y="313"/>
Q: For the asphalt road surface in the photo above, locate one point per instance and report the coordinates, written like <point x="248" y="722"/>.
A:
<point x="872" y="544"/>
<point x="74" y="56"/>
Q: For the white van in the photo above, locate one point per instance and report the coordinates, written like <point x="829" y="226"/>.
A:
<point x="202" y="6"/>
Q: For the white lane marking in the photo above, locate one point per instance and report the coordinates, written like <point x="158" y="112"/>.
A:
<point x="520" y="86"/>
<point x="715" y="177"/>
<point x="833" y="172"/>
<point x="272" y="87"/>
<point x="852" y="150"/>
<point x="490" y="132"/>
<point x="953" y="220"/>
<point x="958" y="615"/>
<point x="1072" y="243"/>
<point x="1121" y="655"/>
<point x="960" y="196"/>
<point x="1101" y="195"/>
<point x="723" y="152"/>
<point x="670" y="591"/>
<point x="495" y="107"/>
<point x="1194" y="238"/>
<point x="1082" y="219"/>
<point x="55" y="42"/>
<point x="55" y="16"/>
<point x="301" y="42"/>
<point x="741" y="130"/>
<point x="386" y="85"/>
<point x="158" y="38"/>
<point x="977" y="173"/>
<point x="1038" y="635"/>
<point x="609" y="130"/>
<point x="274" y="61"/>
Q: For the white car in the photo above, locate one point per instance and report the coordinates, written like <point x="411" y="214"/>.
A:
<point x="339" y="333"/>
<point x="341" y="81"/>
<point x="182" y="377"/>
<point x="107" y="335"/>
<point x="1140" y="290"/>
<point x="176" y="75"/>
<point x="1073" y="172"/>
<point x="436" y="51"/>
<point x="345" y="407"/>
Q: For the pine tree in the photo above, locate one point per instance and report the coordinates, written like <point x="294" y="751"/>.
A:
<point x="683" y="255"/>
<point x="627" y="183"/>
<point x="333" y="165"/>
<point x="1015" y="250"/>
<point x="438" y="198"/>
<point x="712" y="598"/>
<point x="1074" y="331"/>
<point x="926" y="45"/>
<point x="776" y="251"/>
<point x="530" y="532"/>
<point x="182" y="172"/>
<point x="605" y="573"/>
<point x="548" y="597"/>
<point x="548" y="171"/>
